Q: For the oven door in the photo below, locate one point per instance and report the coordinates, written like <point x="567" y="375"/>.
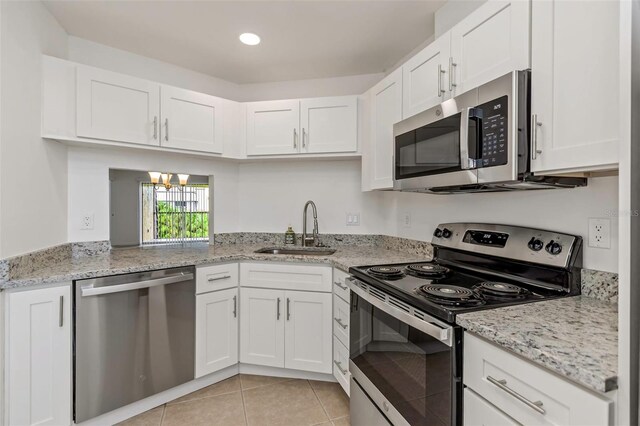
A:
<point x="438" y="153"/>
<point x="408" y="363"/>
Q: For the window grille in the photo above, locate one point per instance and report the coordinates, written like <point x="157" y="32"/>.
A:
<point x="176" y="215"/>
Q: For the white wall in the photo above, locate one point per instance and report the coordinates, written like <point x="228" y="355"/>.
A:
<point x="89" y="185"/>
<point x="560" y="210"/>
<point x="272" y="196"/>
<point x="33" y="172"/>
<point x="98" y="55"/>
<point x="453" y="12"/>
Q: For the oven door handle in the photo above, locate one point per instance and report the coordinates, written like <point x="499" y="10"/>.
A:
<point x="432" y="328"/>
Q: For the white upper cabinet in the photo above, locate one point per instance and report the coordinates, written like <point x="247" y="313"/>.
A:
<point x="386" y="110"/>
<point x="216" y="331"/>
<point x="489" y="43"/>
<point x="191" y="120"/>
<point x="424" y="77"/>
<point x="329" y="124"/>
<point x="38" y="345"/>
<point x="575" y="64"/>
<point x="116" y="107"/>
<point x="308" y="331"/>
<point x="273" y="127"/>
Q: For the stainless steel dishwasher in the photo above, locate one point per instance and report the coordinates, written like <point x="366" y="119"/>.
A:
<point x="134" y="336"/>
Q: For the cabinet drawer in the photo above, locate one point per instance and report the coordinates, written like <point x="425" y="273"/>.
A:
<point x="216" y="277"/>
<point x="341" y="364"/>
<point x="341" y="320"/>
<point x="340" y="284"/>
<point x="478" y="412"/>
<point x="528" y="393"/>
<point x="286" y="276"/>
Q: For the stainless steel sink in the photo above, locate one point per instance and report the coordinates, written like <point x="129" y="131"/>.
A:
<point x="306" y="251"/>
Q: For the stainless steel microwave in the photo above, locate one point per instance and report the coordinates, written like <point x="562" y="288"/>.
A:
<point x="478" y="141"/>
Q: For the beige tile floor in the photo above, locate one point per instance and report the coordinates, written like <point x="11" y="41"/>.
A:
<point x="254" y="401"/>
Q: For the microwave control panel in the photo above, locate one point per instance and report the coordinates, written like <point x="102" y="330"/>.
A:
<point x="493" y="149"/>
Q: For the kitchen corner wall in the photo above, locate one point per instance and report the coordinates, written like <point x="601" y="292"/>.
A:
<point x="33" y="172"/>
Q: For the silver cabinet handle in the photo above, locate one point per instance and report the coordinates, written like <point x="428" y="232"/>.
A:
<point x="342" y="286"/>
<point x="224" y="277"/>
<point x="95" y="291"/>
<point x="166" y="129"/>
<point x="304" y="133"/>
<point x="452" y="74"/>
<point x="502" y="384"/>
<point x="61" y="313"/>
<point x="534" y="136"/>
<point x="340" y="323"/>
<point x="295" y="139"/>
<point x="440" y="72"/>
<point x="235" y="306"/>
<point x="288" y="310"/>
<point x="278" y="310"/>
<point x="155" y="127"/>
<point x="342" y="370"/>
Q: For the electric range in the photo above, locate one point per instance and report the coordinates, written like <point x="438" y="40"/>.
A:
<point x="405" y="348"/>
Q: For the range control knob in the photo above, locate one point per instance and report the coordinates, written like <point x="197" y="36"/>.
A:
<point x="535" y="244"/>
<point x="446" y="233"/>
<point x="553" y="247"/>
<point x="437" y="233"/>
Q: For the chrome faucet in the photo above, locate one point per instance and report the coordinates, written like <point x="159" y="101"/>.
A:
<point x="310" y="241"/>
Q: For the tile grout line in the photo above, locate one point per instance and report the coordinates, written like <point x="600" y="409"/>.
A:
<point x="318" y="398"/>
<point x="244" y="406"/>
<point x="164" y="410"/>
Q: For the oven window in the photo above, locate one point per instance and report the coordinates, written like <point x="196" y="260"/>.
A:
<point x="431" y="149"/>
<point x="410" y="368"/>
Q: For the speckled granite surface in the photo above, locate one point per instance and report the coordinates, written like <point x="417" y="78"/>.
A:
<point x="600" y="285"/>
<point x="125" y="260"/>
<point x="576" y="337"/>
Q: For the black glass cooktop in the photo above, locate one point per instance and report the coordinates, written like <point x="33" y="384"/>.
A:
<point x="445" y="291"/>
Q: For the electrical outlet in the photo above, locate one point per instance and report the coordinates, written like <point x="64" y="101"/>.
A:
<point x="353" y="219"/>
<point x="86" y="222"/>
<point x="600" y="233"/>
<point x="406" y="220"/>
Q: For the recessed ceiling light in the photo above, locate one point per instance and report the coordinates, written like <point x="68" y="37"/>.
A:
<point x="250" y="39"/>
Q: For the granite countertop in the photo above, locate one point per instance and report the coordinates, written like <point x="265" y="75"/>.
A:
<point x="135" y="259"/>
<point x="576" y="337"/>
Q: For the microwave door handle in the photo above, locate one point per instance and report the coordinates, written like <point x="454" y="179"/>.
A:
<point x="465" y="161"/>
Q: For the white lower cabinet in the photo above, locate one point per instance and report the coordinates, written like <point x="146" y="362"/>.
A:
<point x="341" y="328"/>
<point x="478" y="412"/>
<point x="262" y="327"/>
<point x="38" y="364"/>
<point x="307" y="331"/>
<point x="522" y="391"/>
<point x="286" y="329"/>
<point x="216" y="331"/>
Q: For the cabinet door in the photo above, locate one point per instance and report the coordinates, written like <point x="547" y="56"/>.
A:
<point x="478" y="412"/>
<point x="489" y="43"/>
<point x="191" y="120"/>
<point x="216" y="331"/>
<point x="117" y="107"/>
<point x="386" y="110"/>
<point x="262" y="327"/>
<point x="39" y="357"/>
<point x="574" y="92"/>
<point x="424" y="77"/>
<point x="329" y="124"/>
<point x="273" y="127"/>
<point x="308" y="331"/>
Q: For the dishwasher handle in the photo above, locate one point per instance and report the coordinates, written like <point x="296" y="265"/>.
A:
<point x="96" y="291"/>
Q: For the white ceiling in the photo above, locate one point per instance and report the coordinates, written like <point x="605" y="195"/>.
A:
<point x="300" y="39"/>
